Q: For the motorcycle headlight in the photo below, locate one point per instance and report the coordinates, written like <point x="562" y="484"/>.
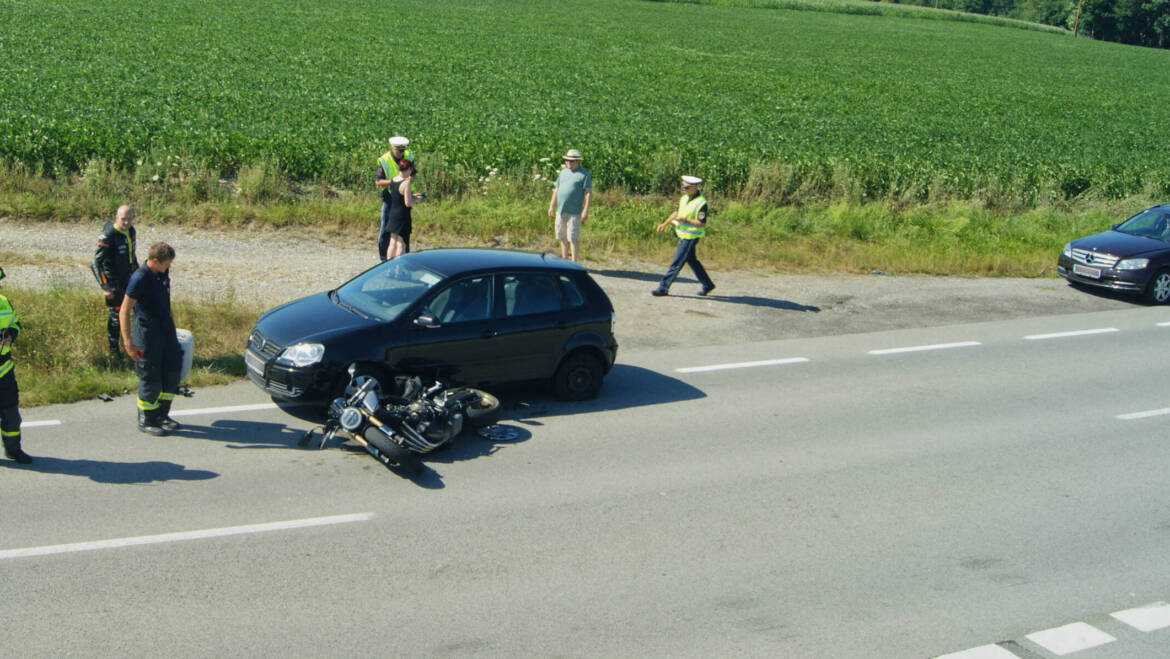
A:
<point x="303" y="354"/>
<point x="1133" y="264"/>
<point x="1067" y="251"/>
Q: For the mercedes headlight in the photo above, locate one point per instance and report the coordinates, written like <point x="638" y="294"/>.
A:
<point x="303" y="354"/>
<point x="1067" y="251"/>
<point x="1133" y="264"/>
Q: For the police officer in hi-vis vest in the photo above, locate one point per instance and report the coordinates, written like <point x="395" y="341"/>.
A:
<point x="9" y="392"/>
<point x="690" y="225"/>
<point x="384" y="178"/>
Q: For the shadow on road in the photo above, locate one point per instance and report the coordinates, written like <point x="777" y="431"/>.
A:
<point x="240" y="434"/>
<point x="750" y="300"/>
<point x="625" y="387"/>
<point x="115" y="473"/>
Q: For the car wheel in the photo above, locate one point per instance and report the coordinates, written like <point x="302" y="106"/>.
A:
<point x="578" y="377"/>
<point x="1158" y="290"/>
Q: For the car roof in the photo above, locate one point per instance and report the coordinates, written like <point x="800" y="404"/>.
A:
<point x="456" y="261"/>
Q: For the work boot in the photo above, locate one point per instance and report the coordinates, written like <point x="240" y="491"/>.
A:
<point x="12" y="450"/>
<point x="164" y="416"/>
<point x="148" y="423"/>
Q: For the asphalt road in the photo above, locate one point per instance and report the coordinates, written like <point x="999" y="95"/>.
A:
<point x="907" y="493"/>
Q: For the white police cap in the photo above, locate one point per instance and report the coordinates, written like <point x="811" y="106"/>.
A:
<point x="691" y="180"/>
<point x="399" y="140"/>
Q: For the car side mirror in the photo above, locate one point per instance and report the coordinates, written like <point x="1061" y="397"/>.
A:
<point x="1117" y="225"/>
<point x="426" y="320"/>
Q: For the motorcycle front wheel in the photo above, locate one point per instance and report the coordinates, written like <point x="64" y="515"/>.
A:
<point x="404" y="458"/>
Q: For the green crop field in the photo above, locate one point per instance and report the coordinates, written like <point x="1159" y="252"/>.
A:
<point x="760" y="101"/>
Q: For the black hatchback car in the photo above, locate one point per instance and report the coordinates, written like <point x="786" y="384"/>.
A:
<point x="473" y="317"/>
<point x="1132" y="257"/>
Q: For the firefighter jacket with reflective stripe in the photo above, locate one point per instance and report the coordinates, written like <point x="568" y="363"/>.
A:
<point x="115" y="260"/>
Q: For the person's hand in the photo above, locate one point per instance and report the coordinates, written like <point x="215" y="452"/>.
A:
<point x="550" y="212"/>
<point x="6" y="341"/>
<point x="134" y="351"/>
<point x="584" y="216"/>
<point x="109" y="294"/>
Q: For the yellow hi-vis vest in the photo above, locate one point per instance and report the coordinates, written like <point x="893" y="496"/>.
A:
<point x="8" y="318"/>
<point x="689" y="209"/>
<point x="390" y="165"/>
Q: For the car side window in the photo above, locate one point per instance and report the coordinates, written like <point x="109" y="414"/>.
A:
<point x="572" y="293"/>
<point x="530" y="293"/>
<point x="463" y="301"/>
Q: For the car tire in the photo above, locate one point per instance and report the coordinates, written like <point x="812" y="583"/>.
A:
<point x="1158" y="290"/>
<point x="578" y="377"/>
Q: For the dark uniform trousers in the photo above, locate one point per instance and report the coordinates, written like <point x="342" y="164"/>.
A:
<point x="158" y="370"/>
<point x="9" y="406"/>
<point x="113" y="324"/>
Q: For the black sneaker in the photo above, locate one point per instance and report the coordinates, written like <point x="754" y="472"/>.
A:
<point x="658" y="292"/>
<point x="707" y="289"/>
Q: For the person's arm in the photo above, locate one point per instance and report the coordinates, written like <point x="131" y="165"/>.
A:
<point x="552" y="203"/>
<point x="404" y="189"/>
<point x="380" y="179"/>
<point x="124" y="320"/>
<point x="668" y="221"/>
<point x="104" y="259"/>
<point x="585" y="208"/>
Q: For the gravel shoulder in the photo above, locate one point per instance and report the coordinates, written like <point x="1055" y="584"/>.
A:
<point x="270" y="267"/>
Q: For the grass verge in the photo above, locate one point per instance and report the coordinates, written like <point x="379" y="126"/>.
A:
<point x="61" y="355"/>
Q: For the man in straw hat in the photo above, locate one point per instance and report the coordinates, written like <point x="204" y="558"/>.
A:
<point x="570" y="200"/>
<point x="690" y="225"/>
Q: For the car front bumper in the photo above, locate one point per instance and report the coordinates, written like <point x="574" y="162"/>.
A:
<point x="1125" y="281"/>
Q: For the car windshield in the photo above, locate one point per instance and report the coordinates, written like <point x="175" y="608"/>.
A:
<point x="1153" y="223"/>
<point x="385" y="291"/>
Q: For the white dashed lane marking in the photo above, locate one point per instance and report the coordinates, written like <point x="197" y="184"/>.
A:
<point x="723" y="367"/>
<point x="1070" y="638"/>
<point x="1148" y="618"/>
<point x="1074" y="637"/>
<point x="182" y="536"/>
<point x="936" y="346"/>
<point x="1061" y="335"/>
<point x="1143" y="415"/>
<point x="39" y="424"/>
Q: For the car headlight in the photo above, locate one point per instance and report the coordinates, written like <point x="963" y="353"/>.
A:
<point x="303" y="354"/>
<point x="1067" y="251"/>
<point x="1133" y="264"/>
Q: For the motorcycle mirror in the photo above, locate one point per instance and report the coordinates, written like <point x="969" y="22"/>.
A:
<point x="352" y="370"/>
<point x="426" y="320"/>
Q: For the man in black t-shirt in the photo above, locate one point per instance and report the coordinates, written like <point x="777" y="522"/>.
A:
<point x="151" y="341"/>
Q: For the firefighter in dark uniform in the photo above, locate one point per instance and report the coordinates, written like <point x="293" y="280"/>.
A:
<point x="113" y="263"/>
<point x="9" y="392"/>
<point x="152" y="344"/>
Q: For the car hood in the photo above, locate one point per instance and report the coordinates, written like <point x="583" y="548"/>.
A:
<point x="314" y="319"/>
<point x="1123" y="245"/>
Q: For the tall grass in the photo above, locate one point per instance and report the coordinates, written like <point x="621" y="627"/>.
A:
<point x="62" y="355"/>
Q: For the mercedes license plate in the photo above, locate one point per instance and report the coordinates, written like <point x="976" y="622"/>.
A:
<point x="254" y="362"/>
<point x="1092" y="273"/>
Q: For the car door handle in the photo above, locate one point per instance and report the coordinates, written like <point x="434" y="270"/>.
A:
<point x="487" y="334"/>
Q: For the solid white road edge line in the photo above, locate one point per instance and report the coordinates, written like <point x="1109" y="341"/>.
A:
<point x="937" y="346"/>
<point x="1143" y="415"/>
<point x="218" y="410"/>
<point x="722" y="367"/>
<point x="183" y="536"/>
<point x="1166" y="324"/>
<point x="1061" y="335"/>
<point x="38" y="424"/>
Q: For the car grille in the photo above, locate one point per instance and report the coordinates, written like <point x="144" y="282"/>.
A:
<point x="263" y="346"/>
<point x="1095" y="259"/>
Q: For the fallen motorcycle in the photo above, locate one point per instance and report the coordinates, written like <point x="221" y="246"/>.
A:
<point x="398" y="422"/>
